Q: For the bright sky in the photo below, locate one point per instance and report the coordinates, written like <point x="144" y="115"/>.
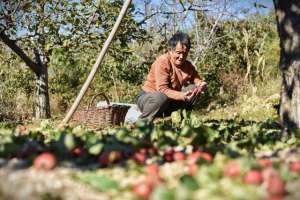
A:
<point x="238" y="7"/>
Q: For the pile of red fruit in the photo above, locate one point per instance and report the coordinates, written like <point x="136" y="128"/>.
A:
<point x="267" y="176"/>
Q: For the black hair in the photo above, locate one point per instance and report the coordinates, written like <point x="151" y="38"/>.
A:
<point x="179" y="37"/>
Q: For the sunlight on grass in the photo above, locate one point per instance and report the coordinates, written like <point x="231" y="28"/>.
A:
<point x="256" y="104"/>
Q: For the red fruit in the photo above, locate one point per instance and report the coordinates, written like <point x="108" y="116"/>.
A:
<point x="206" y="156"/>
<point x="106" y="158"/>
<point x="192" y="169"/>
<point x="143" y="150"/>
<point x="275" y="197"/>
<point x="232" y="169"/>
<point x="103" y="159"/>
<point x="295" y="166"/>
<point x="152" y="151"/>
<point x="275" y="186"/>
<point x="265" y="163"/>
<point x="193" y="157"/>
<point x="142" y="190"/>
<point x="269" y="172"/>
<point x="152" y="170"/>
<point x="178" y="156"/>
<point x="114" y="156"/>
<point x="140" y="158"/>
<point x="168" y="155"/>
<point x="253" y="177"/>
<point x="78" y="152"/>
<point x="45" y="161"/>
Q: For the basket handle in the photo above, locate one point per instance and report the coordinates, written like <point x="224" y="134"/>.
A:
<point x="96" y="95"/>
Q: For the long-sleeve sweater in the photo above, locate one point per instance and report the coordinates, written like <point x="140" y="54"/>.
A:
<point x="169" y="79"/>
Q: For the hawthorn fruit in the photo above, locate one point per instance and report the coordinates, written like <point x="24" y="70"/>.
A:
<point x="178" y="156"/>
<point x="275" y="186"/>
<point x="295" y="166"/>
<point x="45" y="161"/>
<point x="142" y="190"/>
<point x="232" y="169"/>
<point x="253" y="177"/>
<point x="265" y="163"/>
<point x="140" y="158"/>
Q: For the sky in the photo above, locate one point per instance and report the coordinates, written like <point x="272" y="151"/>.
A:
<point x="236" y="10"/>
<point x="249" y="5"/>
<point x="238" y="7"/>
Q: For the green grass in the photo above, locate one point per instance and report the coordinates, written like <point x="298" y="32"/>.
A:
<point x="256" y="104"/>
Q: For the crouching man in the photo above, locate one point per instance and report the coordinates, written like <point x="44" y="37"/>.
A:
<point x="172" y="83"/>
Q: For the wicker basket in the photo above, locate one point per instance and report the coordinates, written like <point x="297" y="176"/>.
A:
<point x="101" y="117"/>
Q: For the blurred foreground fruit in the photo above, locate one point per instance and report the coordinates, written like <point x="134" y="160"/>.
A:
<point x="140" y="158"/>
<point x="109" y="157"/>
<point x="78" y="152"/>
<point x="206" y="156"/>
<point x="142" y="190"/>
<point x="197" y="155"/>
<point x="45" y="161"/>
<point x="265" y="163"/>
<point x="232" y="169"/>
<point x="276" y="197"/>
<point x="152" y="174"/>
<point x="253" y="177"/>
<point x="193" y="157"/>
<point x="179" y="156"/>
<point x="275" y="186"/>
<point x="152" y="170"/>
<point x="295" y="166"/>
<point x="192" y="169"/>
<point x="169" y="155"/>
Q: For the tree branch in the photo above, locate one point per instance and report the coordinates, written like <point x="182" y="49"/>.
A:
<point x="12" y="44"/>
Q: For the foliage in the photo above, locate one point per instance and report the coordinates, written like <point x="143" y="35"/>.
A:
<point x="73" y="41"/>
<point x="16" y="87"/>
<point x="68" y="35"/>
<point x="114" y="168"/>
<point x="239" y="55"/>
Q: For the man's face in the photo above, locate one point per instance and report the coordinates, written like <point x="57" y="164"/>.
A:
<point x="179" y="54"/>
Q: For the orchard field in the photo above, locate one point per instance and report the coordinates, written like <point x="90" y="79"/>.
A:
<point x="236" y="144"/>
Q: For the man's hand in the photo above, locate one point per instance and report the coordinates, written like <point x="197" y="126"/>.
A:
<point x="191" y="95"/>
<point x="201" y="87"/>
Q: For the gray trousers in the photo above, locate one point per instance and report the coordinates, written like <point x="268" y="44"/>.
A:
<point x="157" y="104"/>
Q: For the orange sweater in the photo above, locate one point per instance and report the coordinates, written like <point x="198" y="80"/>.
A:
<point x="169" y="79"/>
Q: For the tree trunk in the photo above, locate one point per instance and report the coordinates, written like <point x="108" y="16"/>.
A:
<point x="42" y="101"/>
<point x="288" y="24"/>
<point x="42" y="107"/>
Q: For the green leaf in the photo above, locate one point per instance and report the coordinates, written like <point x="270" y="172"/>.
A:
<point x="170" y="134"/>
<point x="176" y="117"/>
<point x="101" y="183"/>
<point x="96" y="149"/>
<point x="186" y="131"/>
<point x="189" y="182"/>
<point x="69" y="141"/>
<point x="162" y="192"/>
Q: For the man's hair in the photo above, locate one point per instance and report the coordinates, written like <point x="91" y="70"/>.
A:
<point x="179" y="37"/>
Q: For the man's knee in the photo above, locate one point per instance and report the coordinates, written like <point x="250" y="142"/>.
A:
<point x="153" y="104"/>
<point x="157" y="100"/>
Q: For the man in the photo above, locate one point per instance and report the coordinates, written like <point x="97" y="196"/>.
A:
<point x="172" y="82"/>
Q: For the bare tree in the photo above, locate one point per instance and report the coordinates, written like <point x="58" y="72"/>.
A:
<point x="199" y="18"/>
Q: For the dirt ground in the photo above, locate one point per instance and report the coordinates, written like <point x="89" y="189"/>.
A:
<point x="17" y="183"/>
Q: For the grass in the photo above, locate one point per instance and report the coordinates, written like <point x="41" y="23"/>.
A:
<point x="256" y="104"/>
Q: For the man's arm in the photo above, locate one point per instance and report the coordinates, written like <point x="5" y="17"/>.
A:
<point x="162" y="77"/>
<point x="195" y="76"/>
